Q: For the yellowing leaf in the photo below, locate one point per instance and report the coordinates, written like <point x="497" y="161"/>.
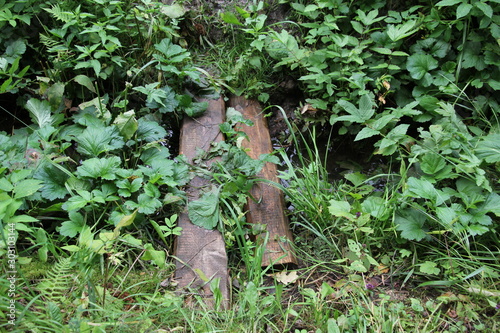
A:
<point x="286" y="277"/>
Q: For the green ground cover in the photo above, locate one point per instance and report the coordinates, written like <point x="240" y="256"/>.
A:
<point x="93" y="92"/>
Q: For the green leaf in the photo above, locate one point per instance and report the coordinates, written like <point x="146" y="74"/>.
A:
<point x="463" y="9"/>
<point x="127" y="124"/>
<point x="77" y="201"/>
<point x="96" y="140"/>
<point x="431" y="163"/>
<point x="358" y="115"/>
<point x="196" y="109"/>
<point x="411" y="224"/>
<point x="365" y="133"/>
<point x="447" y="3"/>
<point x="420" y="64"/>
<point x="74" y="226"/>
<point x="40" y="112"/>
<point x="85" y="81"/>
<point x="105" y="168"/>
<point x="204" y="212"/>
<point x="125" y="221"/>
<point x="488" y="148"/>
<point x="230" y="18"/>
<point x="145" y="204"/>
<point x="158" y="257"/>
<point x="340" y="209"/>
<point x="54" y="180"/>
<point x="150" y="131"/>
<point x="422" y="188"/>
<point x="376" y="207"/>
<point x="26" y="188"/>
<point x="429" y="267"/>
<point x="173" y="11"/>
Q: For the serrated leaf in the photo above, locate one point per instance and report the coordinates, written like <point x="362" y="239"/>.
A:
<point x="429" y="267"/>
<point x="77" y="201"/>
<point x="488" y="148"/>
<point x="376" y="207"/>
<point x="422" y="188"/>
<point x="204" y="212"/>
<point x="105" y="168"/>
<point x="94" y="140"/>
<point x="149" y="131"/>
<point x="432" y="163"/>
<point x="447" y="3"/>
<point x="26" y="188"/>
<point x="340" y="208"/>
<point x="365" y="133"/>
<point x="54" y="181"/>
<point x="420" y="64"/>
<point x="158" y="257"/>
<point x="411" y="224"/>
<point x="357" y="115"/>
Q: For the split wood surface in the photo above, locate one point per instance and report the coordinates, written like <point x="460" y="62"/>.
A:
<point x="197" y="249"/>
<point x="270" y="205"/>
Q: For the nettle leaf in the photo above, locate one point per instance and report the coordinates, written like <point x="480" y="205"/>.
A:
<point x="204" y="212"/>
<point x="419" y="65"/>
<point x="488" y="148"/>
<point x="105" y="168"/>
<point x="96" y="140"/>
<point x="150" y="131"/>
<point x="357" y="115"/>
<point x="411" y="224"/>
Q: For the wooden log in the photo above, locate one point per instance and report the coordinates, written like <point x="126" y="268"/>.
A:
<point x="269" y="208"/>
<point x="201" y="253"/>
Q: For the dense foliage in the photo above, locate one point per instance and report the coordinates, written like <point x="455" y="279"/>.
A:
<point x="94" y="91"/>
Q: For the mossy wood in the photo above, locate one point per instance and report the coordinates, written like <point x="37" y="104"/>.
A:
<point x="201" y="253"/>
<point x="268" y="207"/>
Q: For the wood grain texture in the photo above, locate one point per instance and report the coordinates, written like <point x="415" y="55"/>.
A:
<point x="269" y="210"/>
<point x="198" y="249"/>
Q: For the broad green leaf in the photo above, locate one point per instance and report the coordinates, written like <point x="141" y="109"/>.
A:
<point x="230" y="18"/>
<point x="447" y="3"/>
<point x="173" y="11"/>
<point x="429" y="267"/>
<point x="420" y="64"/>
<point x="204" y="212"/>
<point x="5" y="185"/>
<point x="15" y="48"/>
<point x="145" y="204"/>
<point x="40" y="112"/>
<point x="127" y="124"/>
<point x="463" y="9"/>
<point x="358" y="115"/>
<point x="422" y="188"/>
<point x="104" y="168"/>
<point x="411" y="224"/>
<point x="158" y="257"/>
<point x="85" y="81"/>
<point x="22" y="218"/>
<point x="77" y="201"/>
<point x="431" y="163"/>
<point x="97" y="140"/>
<point x="356" y="178"/>
<point x="150" y="131"/>
<point x="26" y="188"/>
<point x="488" y="148"/>
<point x="125" y="221"/>
<point x="196" y="109"/>
<point x="376" y="207"/>
<point x="365" y="133"/>
<point x="54" y="180"/>
<point x="72" y="227"/>
<point x="340" y="208"/>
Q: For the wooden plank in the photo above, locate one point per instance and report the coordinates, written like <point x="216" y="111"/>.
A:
<point x="198" y="249"/>
<point x="269" y="209"/>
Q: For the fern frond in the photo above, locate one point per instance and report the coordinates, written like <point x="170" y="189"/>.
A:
<point x="58" y="282"/>
<point x="59" y="14"/>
